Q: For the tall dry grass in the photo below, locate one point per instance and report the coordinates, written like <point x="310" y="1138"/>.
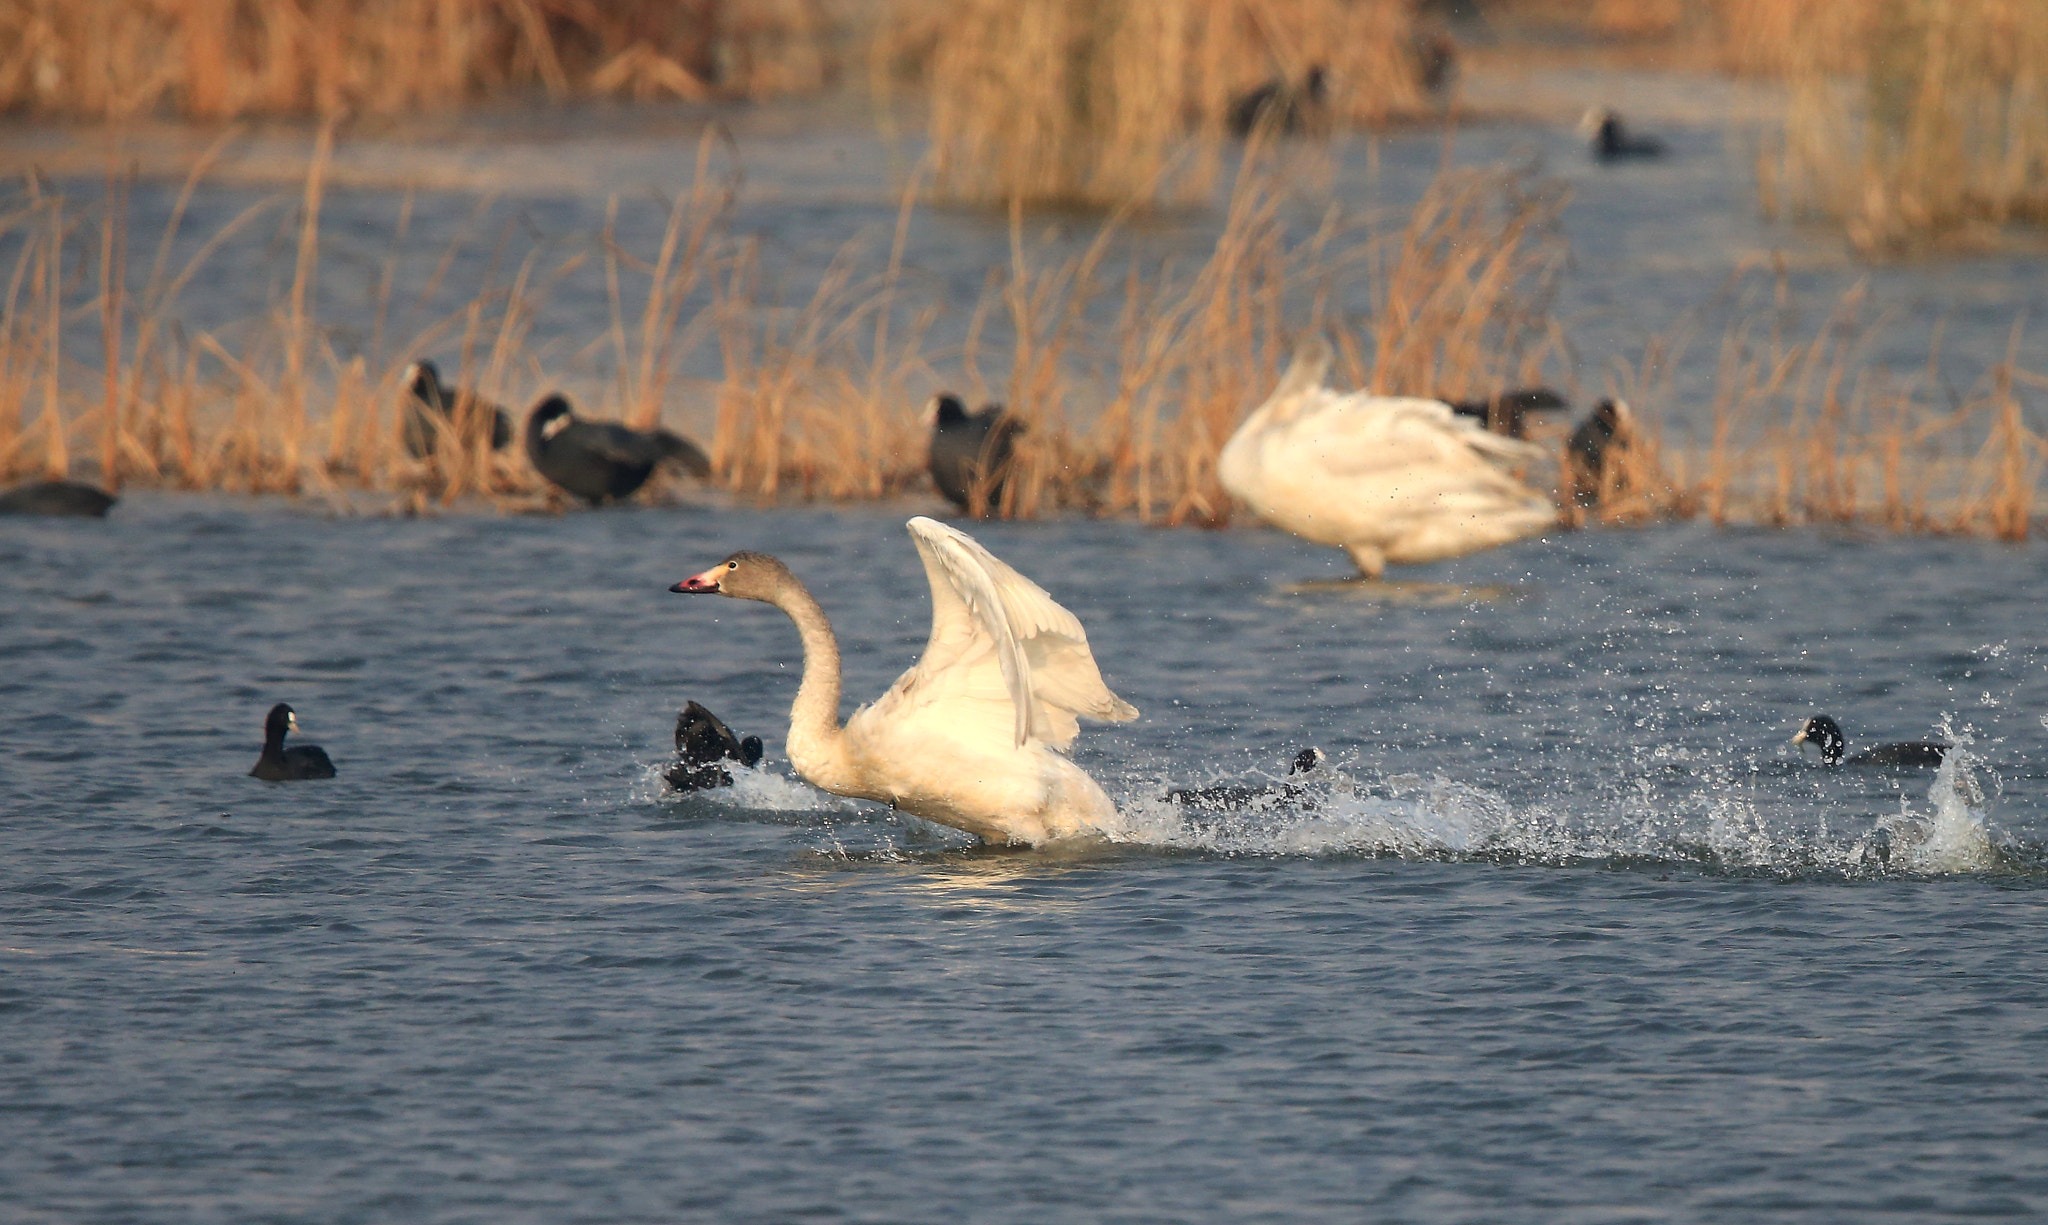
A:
<point x="1943" y="135"/>
<point x="216" y="59"/>
<point x="1091" y="102"/>
<point x="1129" y="370"/>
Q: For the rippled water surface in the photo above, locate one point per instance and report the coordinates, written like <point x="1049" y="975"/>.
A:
<point x="1568" y="932"/>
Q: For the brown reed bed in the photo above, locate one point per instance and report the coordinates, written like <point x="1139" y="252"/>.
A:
<point x="1940" y="137"/>
<point x="217" y="59"/>
<point x="1130" y="372"/>
<point x="1093" y="102"/>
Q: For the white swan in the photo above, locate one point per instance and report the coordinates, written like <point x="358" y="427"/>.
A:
<point x="970" y="736"/>
<point x="1385" y="478"/>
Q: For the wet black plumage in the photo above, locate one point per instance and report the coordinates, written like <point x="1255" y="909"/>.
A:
<point x="1226" y="797"/>
<point x="1504" y="413"/>
<point x="970" y="448"/>
<point x="279" y="764"/>
<point x="1825" y="733"/>
<point x="430" y="406"/>
<point x="703" y="741"/>
<point x="57" y="498"/>
<point x="599" y="461"/>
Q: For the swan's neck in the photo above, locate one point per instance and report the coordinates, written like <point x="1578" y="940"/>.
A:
<point x="815" y="745"/>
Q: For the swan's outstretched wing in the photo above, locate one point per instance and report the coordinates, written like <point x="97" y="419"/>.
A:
<point x="999" y="641"/>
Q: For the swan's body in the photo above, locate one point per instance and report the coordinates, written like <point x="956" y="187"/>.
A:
<point x="1385" y="478"/>
<point x="971" y="735"/>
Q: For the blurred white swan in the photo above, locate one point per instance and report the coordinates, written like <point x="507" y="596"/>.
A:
<point x="970" y="736"/>
<point x="1385" y="478"/>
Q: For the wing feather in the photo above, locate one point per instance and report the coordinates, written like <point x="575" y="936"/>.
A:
<point x="997" y="633"/>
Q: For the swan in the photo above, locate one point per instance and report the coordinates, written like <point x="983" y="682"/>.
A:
<point x="971" y="735"/>
<point x="1826" y="733"/>
<point x="970" y="452"/>
<point x="278" y="764"/>
<point x="432" y="404"/>
<point x="601" y="460"/>
<point x="1385" y="478"/>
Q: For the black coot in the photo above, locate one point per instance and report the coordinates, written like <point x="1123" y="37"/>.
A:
<point x="1227" y="797"/>
<point x="599" y="461"/>
<point x="430" y="407"/>
<point x="702" y="742"/>
<point x="1827" y="734"/>
<point x="971" y="452"/>
<point x="1504" y="413"/>
<point x="1605" y="431"/>
<point x="57" y="498"/>
<point x="1613" y="142"/>
<point x="279" y="764"/>
<point x="1282" y="107"/>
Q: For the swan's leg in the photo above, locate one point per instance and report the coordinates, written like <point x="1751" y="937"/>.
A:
<point x="1371" y="562"/>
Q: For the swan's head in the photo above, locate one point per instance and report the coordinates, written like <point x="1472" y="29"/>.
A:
<point x="743" y="576"/>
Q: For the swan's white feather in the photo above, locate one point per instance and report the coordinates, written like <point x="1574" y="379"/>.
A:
<point x="1396" y="477"/>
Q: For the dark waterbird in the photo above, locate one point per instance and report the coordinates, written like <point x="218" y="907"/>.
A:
<point x="57" y="498"/>
<point x="279" y="764"/>
<point x="1613" y="142"/>
<point x="1827" y="734"/>
<point x="599" y="461"/>
<point x="1228" y="797"/>
<point x="970" y="452"/>
<point x="1280" y="106"/>
<point x="703" y="741"/>
<point x="1504" y="413"/>
<point x="1606" y="431"/>
<point x="430" y="407"/>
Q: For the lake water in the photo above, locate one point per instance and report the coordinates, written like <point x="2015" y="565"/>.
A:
<point x="1566" y="931"/>
<point x="1569" y="931"/>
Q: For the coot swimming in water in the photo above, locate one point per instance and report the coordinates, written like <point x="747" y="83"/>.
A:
<point x="279" y="764"/>
<point x="1226" y="797"/>
<point x="1826" y="733"/>
<point x="57" y="498"/>
<point x="1612" y="142"/>
<point x="601" y="460"/>
<point x="702" y="742"/>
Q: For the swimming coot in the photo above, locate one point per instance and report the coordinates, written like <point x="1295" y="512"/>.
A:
<point x="703" y="741"/>
<point x="971" y="453"/>
<point x="599" y="461"/>
<point x="1613" y="142"/>
<point x="279" y="764"/>
<point x="430" y="406"/>
<point x="1227" y="797"/>
<point x="1282" y="107"/>
<point x="57" y="498"/>
<point x="1606" y="431"/>
<point x="1827" y="734"/>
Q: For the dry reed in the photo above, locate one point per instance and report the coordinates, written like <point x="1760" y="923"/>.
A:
<point x="1079" y="102"/>
<point x="1129" y="371"/>
<point x="215" y="59"/>
<point x="1944" y="138"/>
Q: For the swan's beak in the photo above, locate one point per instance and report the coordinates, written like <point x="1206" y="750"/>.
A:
<point x="700" y="584"/>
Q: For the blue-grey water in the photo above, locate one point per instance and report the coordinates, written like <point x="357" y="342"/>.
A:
<point x="1569" y="932"/>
